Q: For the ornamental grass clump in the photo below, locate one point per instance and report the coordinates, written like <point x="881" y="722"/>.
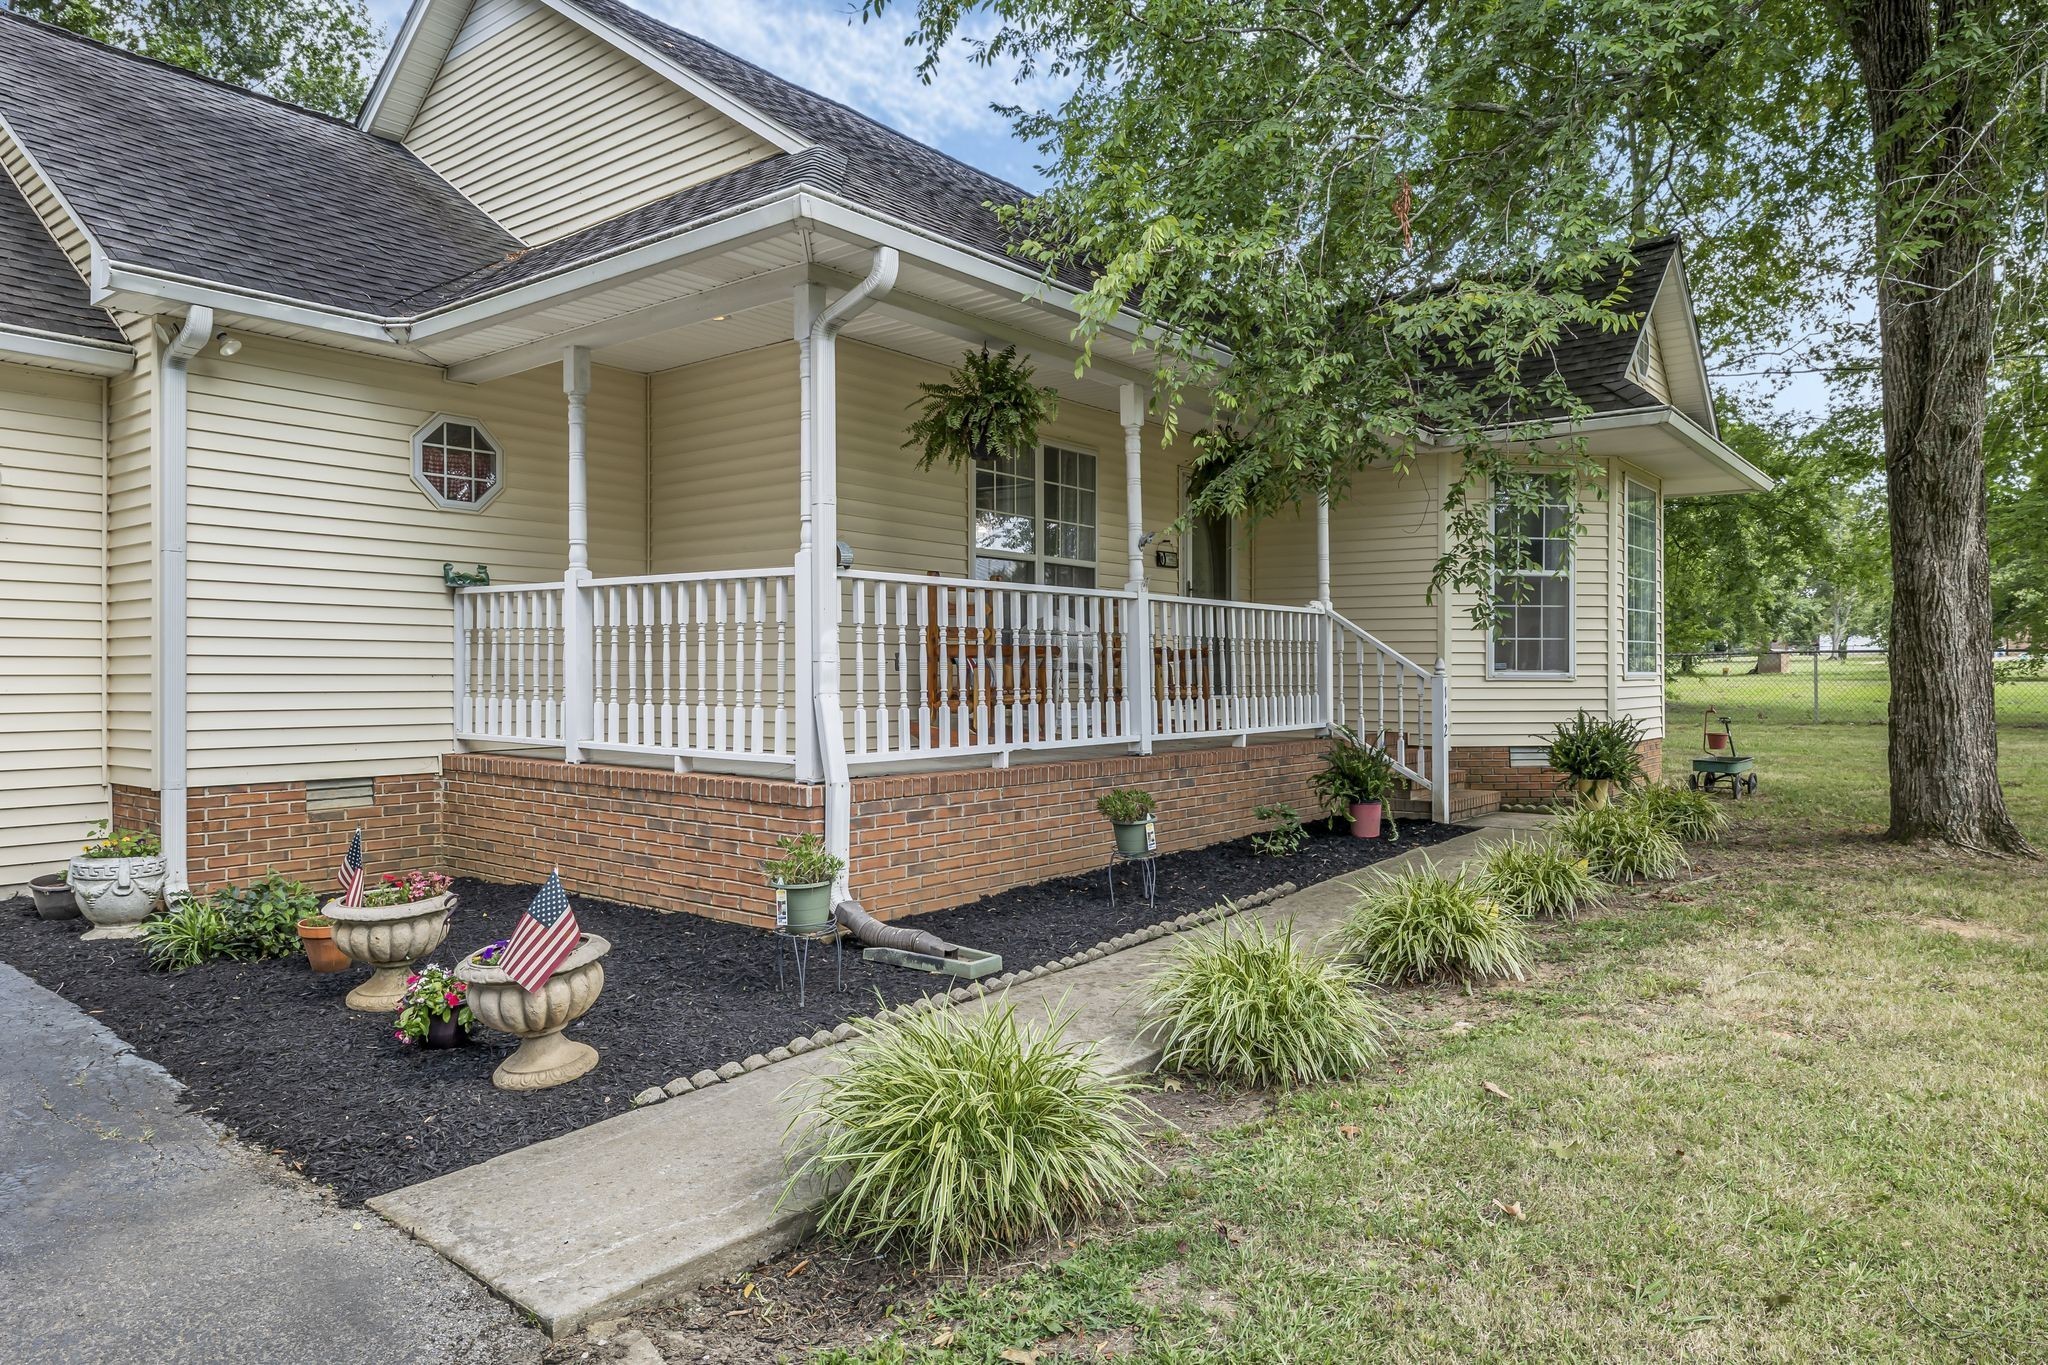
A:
<point x="1418" y="925"/>
<point x="958" y="1132"/>
<point x="1690" y="816"/>
<point x="1535" y="878"/>
<point x="1252" y="1006"/>
<point x="1621" y="843"/>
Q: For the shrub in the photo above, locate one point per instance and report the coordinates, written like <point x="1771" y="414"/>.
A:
<point x="1252" y="1006"/>
<point x="1422" y="924"/>
<point x="1588" y="748"/>
<point x="247" y="924"/>
<point x="1538" y="878"/>
<point x="1687" y="815"/>
<point x="958" y="1132"/>
<point x="1287" y="836"/>
<point x="1621" y="843"/>
<point x="804" y="862"/>
<point x="1125" y="805"/>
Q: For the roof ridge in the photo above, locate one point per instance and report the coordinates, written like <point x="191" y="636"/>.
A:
<point x="144" y="59"/>
<point x="809" y="93"/>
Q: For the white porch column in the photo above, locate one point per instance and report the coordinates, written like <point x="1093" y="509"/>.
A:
<point x="1323" y="549"/>
<point x="1138" y="663"/>
<point x="1326" y="636"/>
<point x="809" y="302"/>
<point x="1440" y="745"/>
<point x="579" y="701"/>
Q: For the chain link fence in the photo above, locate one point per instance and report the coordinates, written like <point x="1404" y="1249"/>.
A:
<point x="1823" y="687"/>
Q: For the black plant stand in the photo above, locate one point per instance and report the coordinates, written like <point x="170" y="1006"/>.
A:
<point x="797" y="943"/>
<point x="1148" y="874"/>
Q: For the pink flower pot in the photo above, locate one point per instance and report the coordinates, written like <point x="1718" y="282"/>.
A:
<point x="1365" y="820"/>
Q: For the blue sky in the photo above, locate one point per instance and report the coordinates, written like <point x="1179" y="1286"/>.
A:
<point x="822" y="44"/>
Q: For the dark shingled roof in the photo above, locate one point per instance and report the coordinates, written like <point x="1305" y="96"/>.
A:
<point x="183" y="174"/>
<point x="1594" y="363"/>
<point x="39" y="287"/>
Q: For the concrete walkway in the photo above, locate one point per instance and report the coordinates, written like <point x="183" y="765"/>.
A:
<point x="640" y="1207"/>
<point x="133" y="1230"/>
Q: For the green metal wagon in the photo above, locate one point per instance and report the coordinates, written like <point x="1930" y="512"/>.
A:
<point x="1723" y="766"/>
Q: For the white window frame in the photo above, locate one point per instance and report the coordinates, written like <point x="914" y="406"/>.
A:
<point x="1629" y="486"/>
<point x="419" y="472"/>
<point x="1569" y="573"/>
<point x="1038" y="558"/>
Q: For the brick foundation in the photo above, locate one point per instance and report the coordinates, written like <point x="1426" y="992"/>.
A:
<point x="695" y="841"/>
<point x="1488" y="769"/>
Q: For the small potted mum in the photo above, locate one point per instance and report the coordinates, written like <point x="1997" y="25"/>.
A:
<point x="316" y="936"/>
<point x="803" y="877"/>
<point x="1354" y="783"/>
<point x="118" y="878"/>
<point x="1132" y="812"/>
<point x="434" y="1011"/>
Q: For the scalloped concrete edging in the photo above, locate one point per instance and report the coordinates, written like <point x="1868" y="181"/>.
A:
<point x="961" y="995"/>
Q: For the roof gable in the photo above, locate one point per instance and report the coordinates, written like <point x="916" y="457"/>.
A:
<point x="40" y="289"/>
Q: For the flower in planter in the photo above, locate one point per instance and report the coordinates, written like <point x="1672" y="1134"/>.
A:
<point x="433" y="995"/>
<point x="486" y="955"/>
<point x="403" y="888"/>
<point x="103" y="841"/>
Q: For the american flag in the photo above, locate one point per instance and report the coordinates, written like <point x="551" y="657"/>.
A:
<point x="545" y="937"/>
<point x="352" y="871"/>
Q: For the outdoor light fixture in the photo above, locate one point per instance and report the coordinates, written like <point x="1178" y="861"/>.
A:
<point x="229" y="346"/>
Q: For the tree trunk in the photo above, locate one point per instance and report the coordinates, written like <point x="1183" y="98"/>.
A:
<point x="1935" y="313"/>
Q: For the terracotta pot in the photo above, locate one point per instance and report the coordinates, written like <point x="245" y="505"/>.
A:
<point x="53" y="896"/>
<point x="321" y="954"/>
<point x="1365" y="819"/>
<point x="445" y="1033"/>
<point x="389" y="938"/>
<point x="1715" y="741"/>
<point x="545" y="1058"/>
<point x="117" y="894"/>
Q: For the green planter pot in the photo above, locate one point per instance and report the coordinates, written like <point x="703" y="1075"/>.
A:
<point x="805" y="909"/>
<point x="1131" y="839"/>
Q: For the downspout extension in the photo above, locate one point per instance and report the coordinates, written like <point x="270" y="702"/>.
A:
<point x="823" y="547"/>
<point x="172" y="624"/>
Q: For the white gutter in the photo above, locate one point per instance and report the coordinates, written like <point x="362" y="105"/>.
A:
<point x="1661" y="415"/>
<point x="171" y="670"/>
<point x="56" y="351"/>
<point x="822" y="552"/>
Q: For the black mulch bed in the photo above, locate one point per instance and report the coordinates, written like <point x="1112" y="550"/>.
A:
<point x="269" y="1050"/>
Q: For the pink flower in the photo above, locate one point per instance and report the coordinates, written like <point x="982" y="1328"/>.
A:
<point x="452" y="998"/>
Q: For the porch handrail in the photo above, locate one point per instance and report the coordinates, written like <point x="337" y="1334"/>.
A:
<point x="1409" y="722"/>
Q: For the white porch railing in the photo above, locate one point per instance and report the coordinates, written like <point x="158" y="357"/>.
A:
<point x="709" y="666"/>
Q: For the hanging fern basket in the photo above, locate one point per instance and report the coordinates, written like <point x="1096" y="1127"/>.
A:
<point x="987" y="409"/>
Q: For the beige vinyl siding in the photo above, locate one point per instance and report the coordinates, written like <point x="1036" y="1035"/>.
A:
<point x="1383" y="550"/>
<point x="724" y="442"/>
<point x="549" y="129"/>
<point x="43" y="200"/>
<point x="52" y="611"/>
<point x="1649" y="365"/>
<point x="131" y="561"/>
<point x="321" y="634"/>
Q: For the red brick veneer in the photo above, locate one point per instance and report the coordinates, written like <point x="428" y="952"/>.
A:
<point x="234" y="833"/>
<point x="1488" y="769"/>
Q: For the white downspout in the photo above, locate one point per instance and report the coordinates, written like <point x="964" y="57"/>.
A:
<point x="823" y="546"/>
<point x="172" y="648"/>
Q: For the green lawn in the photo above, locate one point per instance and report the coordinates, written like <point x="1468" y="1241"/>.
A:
<point x="1852" y="691"/>
<point x="1790" y="1107"/>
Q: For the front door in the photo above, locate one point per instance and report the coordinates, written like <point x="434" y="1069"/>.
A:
<point x="1209" y="558"/>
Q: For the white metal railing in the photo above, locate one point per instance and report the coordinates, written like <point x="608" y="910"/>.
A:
<point x="1389" y="701"/>
<point x="695" y="665"/>
<point x="508" y="664"/>
<point x="1234" y="668"/>
<point x="713" y="665"/>
<point x="956" y="666"/>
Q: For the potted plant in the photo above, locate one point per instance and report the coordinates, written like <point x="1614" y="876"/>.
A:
<point x="402" y="919"/>
<point x="988" y="408"/>
<point x="1132" y="812"/>
<point x="434" y="1011"/>
<point x="316" y="936"/>
<point x="1594" y="755"/>
<point x="544" y="1057"/>
<point x="53" y="897"/>
<point x="803" y="877"/>
<point x="1354" y="783"/>
<point x="118" y="878"/>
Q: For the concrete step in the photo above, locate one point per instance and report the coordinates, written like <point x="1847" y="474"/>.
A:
<point x="1467" y="803"/>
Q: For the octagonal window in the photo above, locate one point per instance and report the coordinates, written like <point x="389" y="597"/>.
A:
<point x="456" y="463"/>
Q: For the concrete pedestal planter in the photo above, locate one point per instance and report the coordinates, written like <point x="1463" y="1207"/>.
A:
<point x="545" y="1058"/>
<point x="389" y="938"/>
<point x="53" y="896"/>
<point x="117" y="894"/>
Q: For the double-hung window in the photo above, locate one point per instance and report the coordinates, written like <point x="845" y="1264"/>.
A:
<point x="1532" y="583"/>
<point x="1644" y="587"/>
<point x="1034" y="518"/>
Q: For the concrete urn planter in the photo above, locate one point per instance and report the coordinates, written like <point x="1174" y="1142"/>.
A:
<point x="117" y="894"/>
<point x="389" y="938"/>
<point x="545" y="1058"/>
